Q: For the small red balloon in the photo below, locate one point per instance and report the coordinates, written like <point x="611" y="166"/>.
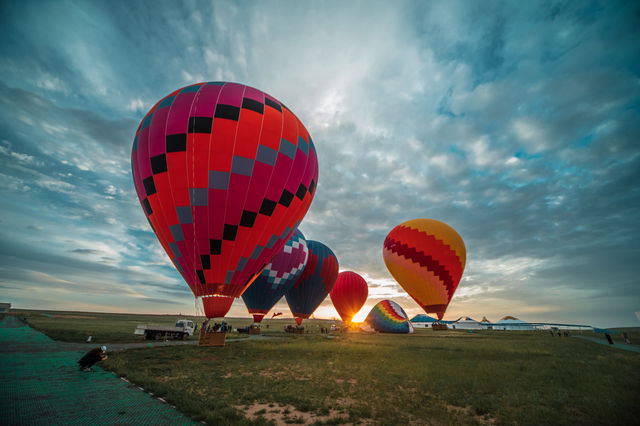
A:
<point x="349" y="294"/>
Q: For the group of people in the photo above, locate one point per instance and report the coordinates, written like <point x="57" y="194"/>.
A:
<point x="561" y="333"/>
<point x="215" y="328"/>
<point x="294" y="329"/>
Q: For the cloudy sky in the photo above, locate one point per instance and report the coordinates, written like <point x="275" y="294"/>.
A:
<point x="517" y="123"/>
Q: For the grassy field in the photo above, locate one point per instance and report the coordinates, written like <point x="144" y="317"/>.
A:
<point x="453" y="377"/>
<point x="426" y="378"/>
<point x="118" y="328"/>
<point x="104" y="327"/>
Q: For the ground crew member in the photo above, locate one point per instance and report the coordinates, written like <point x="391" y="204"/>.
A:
<point x="91" y="357"/>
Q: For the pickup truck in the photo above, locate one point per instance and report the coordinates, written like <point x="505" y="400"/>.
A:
<point x="182" y="328"/>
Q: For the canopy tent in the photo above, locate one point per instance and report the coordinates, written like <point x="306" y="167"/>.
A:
<point x="603" y="330"/>
<point x="466" y="323"/>
<point x="423" y="321"/>
<point x="512" y="323"/>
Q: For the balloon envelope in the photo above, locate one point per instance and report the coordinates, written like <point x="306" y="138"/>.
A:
<point x="277" y="277"/>
<point x="316" y="281"/>
<point x="349" y="294"/>
<point x="427" y="258"/>
<point x="388" y="317"/>
<point x="224" y="174"/>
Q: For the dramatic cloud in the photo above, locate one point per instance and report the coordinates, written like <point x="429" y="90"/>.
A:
<point x="515" y="123"/>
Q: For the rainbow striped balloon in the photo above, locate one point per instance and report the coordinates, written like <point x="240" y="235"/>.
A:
<point x="427" y="258"/>
<point x="388" y="317"/>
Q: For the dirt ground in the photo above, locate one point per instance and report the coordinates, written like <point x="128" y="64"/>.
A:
<point x="284" y="415"/>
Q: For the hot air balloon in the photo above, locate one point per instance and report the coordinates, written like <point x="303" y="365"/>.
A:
<point x="277" y="277"/>
<point x="388" y="317"/>
<point x="349" y="294"/>
<point x="224" y="173"/>
<point x="427" y="258"/>
<point x="315" y="283"/>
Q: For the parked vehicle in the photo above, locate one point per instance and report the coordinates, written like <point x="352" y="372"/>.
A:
<point x="182" y="328"/>
<point x="250" y="329"/>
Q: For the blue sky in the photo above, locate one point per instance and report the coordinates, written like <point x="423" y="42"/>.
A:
<point x="517" y="123"/>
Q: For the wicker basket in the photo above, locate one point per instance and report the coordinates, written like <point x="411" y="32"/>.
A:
<point x="212" y="338"/>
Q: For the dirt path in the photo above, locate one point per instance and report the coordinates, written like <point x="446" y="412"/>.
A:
<point x="41" y="384"/>
<point x="153" y="343"/>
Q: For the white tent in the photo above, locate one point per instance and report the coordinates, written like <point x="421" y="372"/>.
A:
<point x="512" y="323"/>
<point x="486" y="324"/>
<point x="422" y="321"/>
<point x="466" y="323"/>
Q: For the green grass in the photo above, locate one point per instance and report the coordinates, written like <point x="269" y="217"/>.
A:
<point x="104" y="327"/>
<point x="453" y="377"/>
<point x="450" y="378"/>
<point x="118" y="328"/>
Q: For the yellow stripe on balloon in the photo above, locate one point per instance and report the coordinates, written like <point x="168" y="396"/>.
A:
<point x="442" y="232"/>
<point x="430" y="291"/>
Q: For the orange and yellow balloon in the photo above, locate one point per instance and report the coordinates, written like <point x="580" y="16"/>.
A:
<point x="427" y="258"/>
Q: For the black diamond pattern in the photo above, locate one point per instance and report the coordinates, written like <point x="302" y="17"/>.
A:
<point x="248" y="218"/>
<point x="253" y="105"/>
<point x="267" y="207"/>
<point x="200" y="124"/>
<point x="206" y="261"/>
<point x="176" y="143"/>
<point x="301" y="192"/>
<point x="147" y="207"/>
<point x="286" y="198"/>
<point x="229" y="112"/>
<point x="229" y="232"/>
<point x="272" y="104"/>
<point x="149" y="186"/>
<point x="159" y="164"/>
<point x="215" y="246"/>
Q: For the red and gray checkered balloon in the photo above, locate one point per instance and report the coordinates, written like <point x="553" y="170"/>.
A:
<point x="224" y="173"/>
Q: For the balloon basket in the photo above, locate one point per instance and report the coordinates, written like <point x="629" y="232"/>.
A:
<point x="254" y="330"/>
<point x="212" y="338"/>
<point x="439" y="327"/>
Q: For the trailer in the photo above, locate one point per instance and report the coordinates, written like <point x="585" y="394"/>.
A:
<point x="250" y="329"/>
<point x="179" y="331"/>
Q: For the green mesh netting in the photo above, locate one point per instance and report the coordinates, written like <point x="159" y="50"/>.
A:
<point x="40" y="383"/>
